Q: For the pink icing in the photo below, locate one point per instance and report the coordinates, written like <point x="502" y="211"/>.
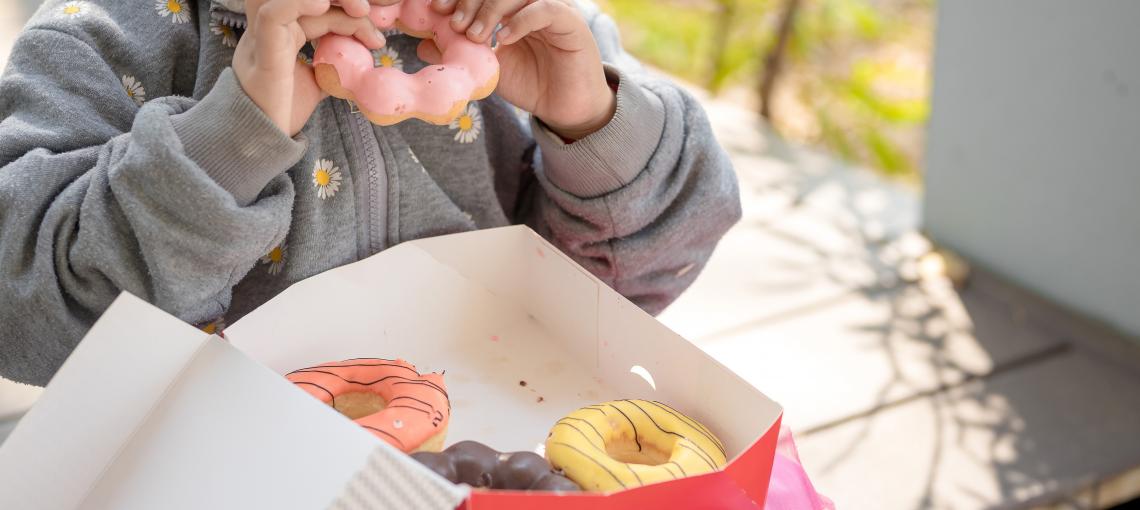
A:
<point x="433" y="91"/>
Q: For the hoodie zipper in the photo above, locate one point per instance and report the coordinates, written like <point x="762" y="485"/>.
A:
<point x="372" y="217"/>
<point x="375" y="196"/>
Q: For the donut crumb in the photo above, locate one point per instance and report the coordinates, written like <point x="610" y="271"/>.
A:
<point x="522" y="383"/>
<point x="540" y="399"/>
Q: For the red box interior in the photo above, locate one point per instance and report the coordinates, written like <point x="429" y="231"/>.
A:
<point x="743" y="483"/>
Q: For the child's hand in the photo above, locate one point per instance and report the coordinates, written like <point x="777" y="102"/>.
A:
<point x="550" y="63"/>
<point x="266" y="62"/>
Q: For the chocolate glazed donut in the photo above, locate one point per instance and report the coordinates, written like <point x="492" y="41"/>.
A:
<point x="479" y="466"/>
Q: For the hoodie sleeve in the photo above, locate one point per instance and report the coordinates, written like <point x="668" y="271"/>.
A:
<point x="642" y="202"/>
<point x="171" y="199"/>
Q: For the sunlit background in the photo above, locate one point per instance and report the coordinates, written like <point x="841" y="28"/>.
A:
<point x="949" y="323"/>
<point x="851" y="76"/>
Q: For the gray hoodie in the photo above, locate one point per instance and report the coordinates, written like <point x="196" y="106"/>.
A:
<point x="131" y="160"/>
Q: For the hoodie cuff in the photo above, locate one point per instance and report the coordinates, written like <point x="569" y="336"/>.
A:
<point x="232" y="140"/>
<point x="613" y="156"/>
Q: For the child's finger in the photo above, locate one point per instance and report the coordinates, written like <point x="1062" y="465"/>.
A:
<point x="489" y="15"/>
<point x="443" y="6"/>
<point x="356" y="8"/>
<point x="361" y="8"/>
<point x="429" y="52"/>
<point x="540" y="15"/>
<point x="283" y="12"/>
<point x="338" y="22"/>
<point x="464" y="14"/>
<point x="272" y="22"/>
<point x="305" y="88"/>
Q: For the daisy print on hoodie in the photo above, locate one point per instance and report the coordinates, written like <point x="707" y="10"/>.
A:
<point x="74" y="8"/>
<point x="176" y="10"/>
<point x="468" y="125"/>
<point x="134" y="89"/>
<point x="326" y="178"/>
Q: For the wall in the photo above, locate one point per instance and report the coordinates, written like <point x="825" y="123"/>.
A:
<point x="1033" y="167"/>
<point x="13" y="14"/>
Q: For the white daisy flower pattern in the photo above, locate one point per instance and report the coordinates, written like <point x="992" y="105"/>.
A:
<point x="276" y="259"/>
<point x="134" y="89"/>
<point x="469" y="124"/>
<point x="175" y="9"/>
<point x="229" y="38"/>
<point x="387" y="57"/>
<point x="74" y="8"/>
<point x="326" y="178"/>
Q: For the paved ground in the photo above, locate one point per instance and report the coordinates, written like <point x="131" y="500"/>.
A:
<point x="905" y="393"/>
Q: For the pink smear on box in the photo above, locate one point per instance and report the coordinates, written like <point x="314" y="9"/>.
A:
<point x="790" y="488"/>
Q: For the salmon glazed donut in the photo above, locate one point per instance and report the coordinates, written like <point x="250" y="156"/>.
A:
<point x="629" y="443"/>
<point x="436" y="94"/>
<point x="390" y="398"/>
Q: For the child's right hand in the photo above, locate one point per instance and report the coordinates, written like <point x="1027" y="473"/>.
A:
<point x="266" y="62"/>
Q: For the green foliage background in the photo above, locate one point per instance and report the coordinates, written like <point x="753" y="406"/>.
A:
<point x="856" y="76"/>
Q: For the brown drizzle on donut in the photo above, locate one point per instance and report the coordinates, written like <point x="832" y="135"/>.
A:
<point x="407" y="416"/>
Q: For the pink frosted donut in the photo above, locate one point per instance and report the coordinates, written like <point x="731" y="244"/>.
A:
<point x="436" y="94"/>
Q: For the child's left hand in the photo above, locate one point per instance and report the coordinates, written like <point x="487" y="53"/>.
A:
<point x="550" y="64"/>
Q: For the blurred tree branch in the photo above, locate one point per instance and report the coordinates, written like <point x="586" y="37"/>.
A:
<point x="774" y="60"/>
<point x="723" y="26"/>
<point x="852" y="75"/>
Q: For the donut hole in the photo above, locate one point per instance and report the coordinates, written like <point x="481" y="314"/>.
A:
<point x="359" y="404"/>
<point x="625" y="450"/>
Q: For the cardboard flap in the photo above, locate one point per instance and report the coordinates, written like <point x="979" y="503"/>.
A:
<point x="519" y="327"/>
<point x="94" y="405"/>
<point x="494" y="259"/>
<point x="651" y="362"/>
<point x="517" y="264"/>
<point x="401" y="302"/>
<point x="232" y="434"/>
<point x="636" y="355"/>
<point x="149" y="412"/>
<point x="405" y="303"/>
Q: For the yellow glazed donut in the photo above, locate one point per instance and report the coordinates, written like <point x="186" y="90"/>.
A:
<point x="630" y="443"/>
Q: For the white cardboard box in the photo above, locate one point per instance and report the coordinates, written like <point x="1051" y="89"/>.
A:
<point x="151" y="413"/>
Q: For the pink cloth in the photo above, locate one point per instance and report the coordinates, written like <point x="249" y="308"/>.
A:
<point x="790" y="488"/>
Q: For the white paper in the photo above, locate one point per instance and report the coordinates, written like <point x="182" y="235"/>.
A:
<point x="151" y="413"/>
<point x="232" y="434"/>
<point x="97" y="401"/>
<point x="497" y="309"/>
<point x="404" y="303"/>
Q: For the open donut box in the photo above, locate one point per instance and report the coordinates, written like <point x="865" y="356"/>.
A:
<point x="149" y="412"/>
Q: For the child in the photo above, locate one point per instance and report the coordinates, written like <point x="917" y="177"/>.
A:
<point x="181" y="151"/>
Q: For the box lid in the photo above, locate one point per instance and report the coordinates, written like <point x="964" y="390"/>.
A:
<point x="186" y="421"/>
<point x="526" y="336"/>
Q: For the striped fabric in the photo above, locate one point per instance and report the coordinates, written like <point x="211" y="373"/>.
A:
<point x="393" y="480"/>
